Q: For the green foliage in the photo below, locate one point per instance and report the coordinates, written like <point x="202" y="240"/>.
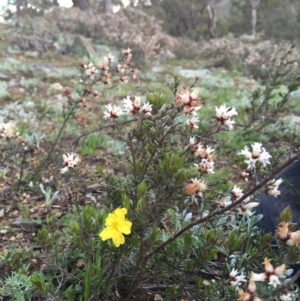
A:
<point x="92" y="143"/>
<point x="18" y="285"/>
<point x="181" y="18"/>
<point x="182" y="239"/>
<point x="277" y="19"/>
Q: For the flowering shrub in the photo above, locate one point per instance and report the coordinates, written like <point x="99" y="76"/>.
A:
<point x="189" y="226"/>
<point x="252" y="55"/>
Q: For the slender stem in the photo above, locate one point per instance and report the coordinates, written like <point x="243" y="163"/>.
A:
<point x="75" y="142"/>
<point x="22" y="170"/>
<point x="56" y="140"/>
<point x="141" y="272"/>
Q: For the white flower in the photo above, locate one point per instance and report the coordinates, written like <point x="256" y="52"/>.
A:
<point x="272" y="187"/>
<point x="264" y="157"/>
<point x="258" y="277"/>
<point x="223" y="114"/>
<point x="192" y="141"/>
<point x="188" y="101"/>
<point x="112" y="112"/>
<point x="90" y="71"/>
<point x="237" y="192"/>
<point x="274" y="281"/>
<point x="131" y="107"/>
<point x="256" y="149"/>
<point x="258" y="154"/>
<point x="126" y="51"/>
<point x="206" y="153"/>
<point x="192" y="122"/>
<point x="245" y="152"/>
<point x="121" y="68"/>
<point x="109" y="58"/>
<point x="127" y="54"/>
<point x="287" y="296"/>
<point x="229" y="123"/>
<point x="196" y="187"/>
<point x="236" y="280"/>
<point x="70" y="161"/>
<point x="182" y="98"/>
<point x="146" y="109"/>
<point x="206" y="166"/>
<point x="245" y="209"/>
<point x="294" y="239"/>
<point x="188" y="110"/>
<point x="272" y="275"/>
<point x="7" y="130"/>
<point x="194" y="94"/>
<point x="251" y="163"/>
<point x="104" y="68"/>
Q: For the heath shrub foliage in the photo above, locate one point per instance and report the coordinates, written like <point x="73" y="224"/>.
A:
<point x="253" y="55"/>
<point x="175" y="222"/>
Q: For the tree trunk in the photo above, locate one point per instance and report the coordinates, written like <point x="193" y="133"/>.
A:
<point x="82" y="4"/>
<point x="212" y="14"/>
<point x="254" y="4"/>
<point x="21" y="4"/>
<point x="107" y="6"/>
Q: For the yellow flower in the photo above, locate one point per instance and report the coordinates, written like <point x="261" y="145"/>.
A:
<point x="116" y="226"/>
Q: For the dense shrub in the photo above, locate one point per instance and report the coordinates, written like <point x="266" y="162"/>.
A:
<point x="251" y="55"/>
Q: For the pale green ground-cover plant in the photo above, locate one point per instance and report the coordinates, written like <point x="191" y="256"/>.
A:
<point x="182" y="236"/>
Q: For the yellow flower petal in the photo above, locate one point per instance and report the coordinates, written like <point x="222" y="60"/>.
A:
<point x="118" y="238"/>
<point x="125" y="227"/>
<point x="107" y="233"/>
<point x="110" y="220"/>
<point x="116" y="226"/>
<point x="120" y="213"/>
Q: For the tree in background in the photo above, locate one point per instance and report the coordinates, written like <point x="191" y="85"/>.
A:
<point x="107" y="6"/>
<point x="275" y="18"/>
<point x="82" y="4"/>
<point x="196" y="19"/>
<point x="212" y="14"/>
<point x="185" y="18"/>
<point x="254" y="4"/>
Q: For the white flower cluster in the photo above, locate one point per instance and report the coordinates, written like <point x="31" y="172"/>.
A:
<point x="245" y="207"/>
<point x="288" y="237"/>
<point x="90" y="71"/>
<point x="224" y="114"/>
<point x="258" y="154"/>
<point x="7" y="130"/>
<point x="131" y="107"/>
<point x="190" y="105"/>
<point x="108" y="58"/>
<point x="196" y="187"/>
<point x="271" y="275"/>
<point x="112" y="112"/>
<point x="235" y="279"/>
<point x="272" y="187"/>
<point x="70" y="161"/>
<point x="205" y="155"/>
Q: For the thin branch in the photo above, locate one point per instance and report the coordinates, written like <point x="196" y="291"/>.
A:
<point x="22" y="170"/>
<point x="76" y="141"/>
<point x="56" y="140"/>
